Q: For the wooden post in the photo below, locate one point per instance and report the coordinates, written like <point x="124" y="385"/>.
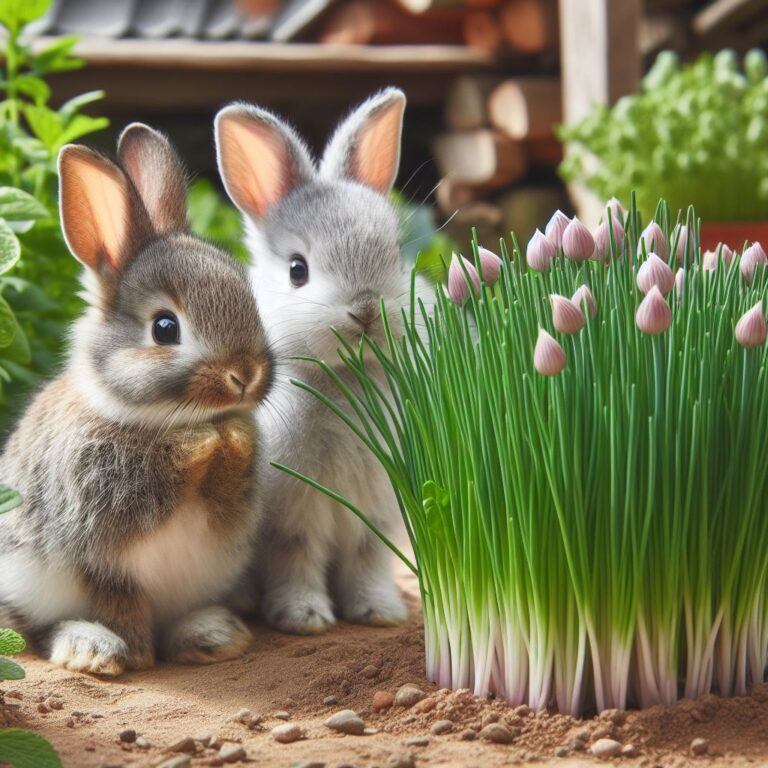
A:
<point x="601" y="61"/>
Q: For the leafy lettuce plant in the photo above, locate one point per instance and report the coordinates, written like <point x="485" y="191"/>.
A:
<point x="39" y="295"/>
<point x="19" y="747"/>
<point x="693" y="134"/>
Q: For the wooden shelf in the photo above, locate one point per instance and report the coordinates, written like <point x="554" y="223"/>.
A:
<point x="279" y="57"/>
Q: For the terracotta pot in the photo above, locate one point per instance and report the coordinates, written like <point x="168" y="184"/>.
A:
<point x="733" y="234"/>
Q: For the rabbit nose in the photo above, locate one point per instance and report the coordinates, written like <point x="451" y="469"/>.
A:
<point x="248" y="377"/>
<point x="364" y="316"/>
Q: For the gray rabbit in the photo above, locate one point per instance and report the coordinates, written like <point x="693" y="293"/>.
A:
<point x="138" y="464"/>
<point x="325" y="246"/>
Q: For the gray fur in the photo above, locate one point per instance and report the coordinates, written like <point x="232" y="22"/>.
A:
<point x="315" y="559"/>
<point x="139" y="464"/>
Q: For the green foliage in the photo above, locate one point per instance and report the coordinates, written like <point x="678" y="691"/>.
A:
<point x="212" y="218"/>
<point x="39" y="297"/>
<point x="694" y="134"/>
<point x="597" y="537"/>
<point x="24" y="749"/>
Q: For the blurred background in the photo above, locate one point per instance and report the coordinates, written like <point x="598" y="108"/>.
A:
<point x="516" y="108"/>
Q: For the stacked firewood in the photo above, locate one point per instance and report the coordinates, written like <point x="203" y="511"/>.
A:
<point x="498" y="155"/>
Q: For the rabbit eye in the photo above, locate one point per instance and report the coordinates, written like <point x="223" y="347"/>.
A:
<point x="299" y="271"/>
<point x="166" y="329"/>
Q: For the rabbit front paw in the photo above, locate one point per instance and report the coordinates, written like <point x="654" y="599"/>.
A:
<point x="84" y="646"/>
<point x="309" y="613"/>
<point x="377" y="606"/>
<point x="206" y="636"/>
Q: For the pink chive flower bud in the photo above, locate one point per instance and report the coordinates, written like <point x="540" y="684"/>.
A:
<point x="654" y="271"/>
<point x="583" y="297"/>
<point x="751" y="259"/>
<point x="679" y="282"/>
<point x="458" y="288"/>
<point x="653" y="316"/>
<point x="726" y="254"/>
<point x="578" y="243"/>
<point x="654" y="241"/>
<point x="566" y="316"/>
<point x="602" y="238"/>
<point x="751" y="330"/>
<point x="681" y="233"/>
<point x="490" y="265"/>
<point x="540" y="252"/>
<point x="556" y="227"/>
<point x="617" y="210"/>
<point x="709" y="261"/>
<point x="548" y="356"/>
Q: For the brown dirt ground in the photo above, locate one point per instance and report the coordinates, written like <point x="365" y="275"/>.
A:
<point x="295" y="674"/>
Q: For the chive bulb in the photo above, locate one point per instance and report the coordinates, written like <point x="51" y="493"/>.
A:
<point x="566" y="316"/>
<point x="681" y="233"/>
<point x="540" y="252"/>
<point x="458" y="288"/>
<point x="548" y="356"/>
<point x="602" y="238"/>
<point x="584" y="298"/>
<point x="578" y="243"/>
<point x="752" y="258"/>
<point x="618" y="211"/>
<point x="679" y="282"/>
<point x="751" y="330"/>
<point x="653" y="316"/>
<point x="654" y="271"/>
<point x="654" y="241"/>
<point x="556" y="227"/>
<point x="490" y="265"/>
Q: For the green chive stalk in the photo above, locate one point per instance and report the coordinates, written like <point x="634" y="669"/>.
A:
<point x="586" y="508"/>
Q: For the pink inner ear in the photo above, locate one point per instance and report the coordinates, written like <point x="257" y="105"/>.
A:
<point x="255" y="161"/>
<point x="378" y="150"/>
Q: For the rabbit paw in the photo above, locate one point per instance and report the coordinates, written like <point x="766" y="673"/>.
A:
<point x="375" y="606"/>
<point x="307" y="614"/>
<point x="85" y="646"/>
<point x="206" y="636"/>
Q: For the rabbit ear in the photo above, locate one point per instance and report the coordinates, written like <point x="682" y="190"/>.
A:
<point x="366" y="146"/>
<point x="158" y="175"/>
<point x="102" y="220"/>
<point x="261" y="159"/>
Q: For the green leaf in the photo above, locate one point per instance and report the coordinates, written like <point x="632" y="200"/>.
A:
<point x="71" y="107"/>
<point x="8" y="324"/>
<point x="46" y="124"/>
<point x="79" y="126"/>
<point x="18" y="350"/>
<point x="34" y="87"/>
<point x="10" y="250"/>
<point x="11" y="642"/>
<point x="18" y="205"/>
<point x="14" y="14"/>
<point x="24" y="749"/>
<point x="10" y="670"/>
<point x="57" y="57"/>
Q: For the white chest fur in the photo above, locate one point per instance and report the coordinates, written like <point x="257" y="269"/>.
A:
<point x="184" y="563"/>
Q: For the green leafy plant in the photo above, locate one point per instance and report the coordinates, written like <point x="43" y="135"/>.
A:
<point x="39" y="296"/>
<point x="211" y="217"/>
<point x="19" y="747"/>
<point x="694" y="134"/>
<point x="595" y="536"/>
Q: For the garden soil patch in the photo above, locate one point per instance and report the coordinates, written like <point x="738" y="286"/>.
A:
<point x="302" y="681"/>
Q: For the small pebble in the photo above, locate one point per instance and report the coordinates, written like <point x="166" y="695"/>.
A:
<point x="43" y="708"/>
<point x="186" y="744"/>
<point x="287" y="733"/>
<point x="55" y="703"/>
<point x="401" y="761"/>
<point x="281" y="715"/>
<point x="491" y="717"/>
<point x="582" y="735"/>
<point x="605" y="748"/>
<point x="14" y="694"/>
<point x="382" y="700"/>
<point x="408" y="695"/>
<point x="180" y="761"/>
<point x="468" y="735"/>
<point x="70" y="722"/>
<point x="577" y="745"/>
<point x="497" y="733"/>
<point x="370" y="731"/>
<point x="629" y="750"/>
<point x="603" y="732"/>
<point x="699" y="747"/>
<point x="232" y="753"/>
<point x="346" y="721"/>
<point x="425" y="705"/>
<point x="329" y="701"/>
<point x="523" y="710"/>
<point x="418" y="741"/>
<point x="369" y="671"/>
<point x="310" y="764"/>
<point x="204" y="738"/>
<point x="128" y="736"/>
<point x="242" y="716"/>
<point x="442" y="726"/>
<point x="561" y="751"/>
<point x="142" y="743"/>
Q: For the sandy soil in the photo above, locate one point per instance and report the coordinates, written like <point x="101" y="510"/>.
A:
<point x="291" y="677"/>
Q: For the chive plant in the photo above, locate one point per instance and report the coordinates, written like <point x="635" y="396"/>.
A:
<point x="583" y="479"/>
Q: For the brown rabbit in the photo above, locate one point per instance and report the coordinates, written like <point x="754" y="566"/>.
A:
<point x="138" y="464"/>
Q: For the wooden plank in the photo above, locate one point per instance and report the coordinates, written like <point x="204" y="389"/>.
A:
<point x="725" y="12"/>
<point x="526" y="107"/>
<point x="480" y="158"/>
<point x="466" y="105"/>
<point x="529" y="26"/>
<point x="312" y="57"/>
